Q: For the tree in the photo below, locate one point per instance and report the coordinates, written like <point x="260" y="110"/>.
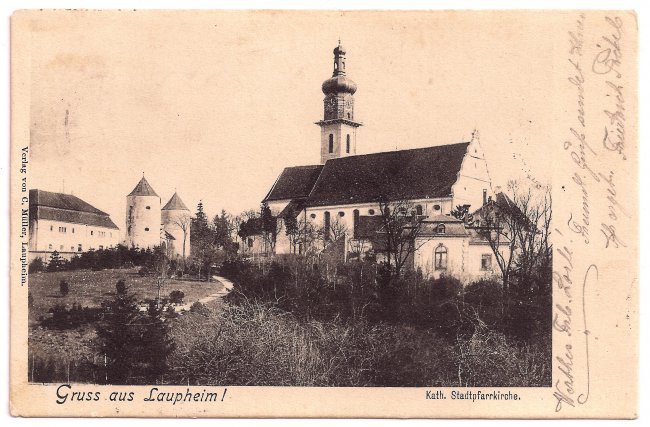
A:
<point x="64" y="288"/>
<point x="291" y="228"/>
<point x="399" y="231"/>
<point x="223" y="230"/>
<point x="56" y="262"/>
<point x="184" y="222"/>
<point x="132" y="342"/>
<point x="337" y="229"/>
<point x="202" y="240"/>
<point x="461" y="212"/>
<point x="120" y="287"/>
<point x="270" y="227"/>
<point x="520" y="224"/>
<point x="119" y="337"/>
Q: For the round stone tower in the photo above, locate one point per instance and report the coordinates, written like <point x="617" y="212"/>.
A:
<point x="143" y="216"/>
<point x="176" y="220"/>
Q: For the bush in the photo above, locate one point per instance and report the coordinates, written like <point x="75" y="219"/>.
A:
<point x="36" y="265"/>
<point x="200" y="308"/>
<point x="255" y="343"/>
<point x="120" y="287"/>
<point x="176" y="297"/>
<point x="64" y="288"/>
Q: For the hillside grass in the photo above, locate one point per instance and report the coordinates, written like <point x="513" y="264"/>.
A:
<point x="91" y="288"/>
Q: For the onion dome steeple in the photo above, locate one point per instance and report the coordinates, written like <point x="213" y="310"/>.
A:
<point x="338" y="127"/>
<point x="339" y="83"/>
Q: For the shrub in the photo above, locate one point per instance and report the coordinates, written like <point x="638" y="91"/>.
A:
<point x="120" y="287"/>
<point x="176" y="297"/>
<point x="36" y="265"/>
<point x="56" y="263"/>
<point x="64" y="288"/>
<point x="200" y="308"/>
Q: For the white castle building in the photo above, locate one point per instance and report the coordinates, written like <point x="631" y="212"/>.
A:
<point x="345" y="188"/>
<point x="66" y="224"/>
<point x="148" y="225"/>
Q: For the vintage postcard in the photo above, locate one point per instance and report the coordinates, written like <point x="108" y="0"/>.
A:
<point x="418" y="214"/>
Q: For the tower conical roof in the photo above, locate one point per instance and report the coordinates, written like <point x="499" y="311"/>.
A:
<point x="175" y="204"/>
<point x="143" y="189"/>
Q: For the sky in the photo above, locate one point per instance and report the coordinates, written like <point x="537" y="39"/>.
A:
<point x="215" y="104"/>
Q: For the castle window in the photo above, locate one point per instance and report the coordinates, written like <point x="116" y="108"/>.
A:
<point x="49" y="246"/>
<point x="250" y="242"/>
<point x="73" y="229"/>
<point x="71" y="248"/>
<point x="355" y="222"/>
<point x="347" y="143"/>
<point x="331" y="143"/>
<point x="61" y="247"/>
<point x="440" y="257"/>
<point x="79" y="248"/>
<point x="341" y="214"/>
<point x="418" y="210"/>
<point x="101" y="247"/>
<point x="92" y="232"/>
<point x="486" y="262"/>
<point x="440" y="229"/>
<point x="349" y="116"/>
<point x="51" y="228"/>
<point x="371" y="211"/>
<point x="436" y="207"/>
<point x="312" y="216"/>
<point x="148" y="207"/>
<point x="146" y="229"/>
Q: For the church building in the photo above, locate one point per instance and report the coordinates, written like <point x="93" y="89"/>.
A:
<point x="340" y="195"/>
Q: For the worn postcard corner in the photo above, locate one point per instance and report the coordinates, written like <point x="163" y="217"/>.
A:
<point x="378" y="214"/>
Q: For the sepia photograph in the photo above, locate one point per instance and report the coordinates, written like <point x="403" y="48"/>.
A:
<point x="317" y="199"/>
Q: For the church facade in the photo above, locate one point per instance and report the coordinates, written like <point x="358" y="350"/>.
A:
<point x="340" y="196"/>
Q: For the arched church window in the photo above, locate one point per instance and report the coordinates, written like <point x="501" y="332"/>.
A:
<point x="326" y="225"/>
<point x="347" y="141"/>
<point x="331" y="143"/>
<point x="440" y="229"/>
<point x="440" y="257"/>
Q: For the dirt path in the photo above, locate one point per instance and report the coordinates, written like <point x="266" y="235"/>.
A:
<point x="226" y="287"/>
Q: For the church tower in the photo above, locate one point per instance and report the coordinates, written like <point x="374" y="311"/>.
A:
<point x="338" y="127"/>
<point x="143" y="216"/>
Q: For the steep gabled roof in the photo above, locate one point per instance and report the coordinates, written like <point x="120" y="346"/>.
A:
<point x="294" y="183"/>
<point x="61" y="201"/>
<point x="398" y="175"/>
<point x="66" y="208"/>
<point x="175" y="204"/>
<point x="143" y="189"/>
